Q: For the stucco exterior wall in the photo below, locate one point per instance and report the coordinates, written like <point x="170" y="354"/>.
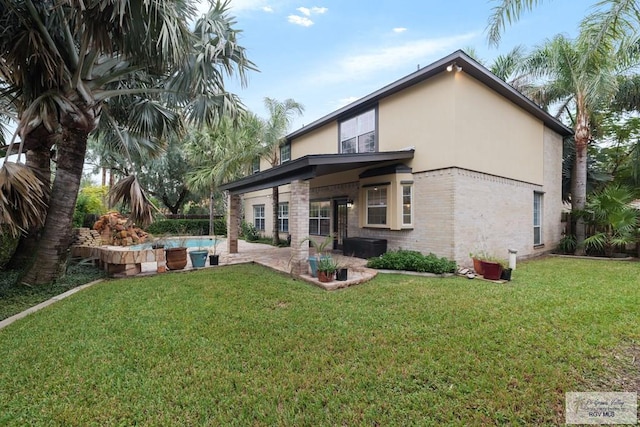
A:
<point x="421" y="116"/>
<point x="320" y="141"/>
<point x="455" y="121"/>
<point x="495" y="136"/>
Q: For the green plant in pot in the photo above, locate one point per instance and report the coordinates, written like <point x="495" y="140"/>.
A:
<point x="477" y="258"/>
<point x="327" y="267"/>
<point x="214" y="258"/>
<point x="322" y="251"/>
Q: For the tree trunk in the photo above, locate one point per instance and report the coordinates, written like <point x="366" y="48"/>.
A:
<point x="276" y="228"/>
<point x="579" y="184"/>
<point x="38" y="160"/>
<point x="52" y="252"/>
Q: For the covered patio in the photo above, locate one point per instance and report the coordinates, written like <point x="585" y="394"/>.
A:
<point x="298" y="174"/>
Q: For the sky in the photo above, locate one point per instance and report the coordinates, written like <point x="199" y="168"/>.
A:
<point x="327" y="54"/>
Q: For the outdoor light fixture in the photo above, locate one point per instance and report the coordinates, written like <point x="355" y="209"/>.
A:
<point x="454" y="66"/>
<point x="349" y="203"/>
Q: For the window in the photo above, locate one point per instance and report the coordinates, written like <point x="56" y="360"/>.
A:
<point x="406" y="205"/>
<point x="255" y="166"/>
<point x="285" y="152"/>
<point x="320" y="218"/>
<point x="376" y="206"/>
<point x="258" y="217"/>
<point x="537" y="219"/>
<point x="358" y="135"/>
<point x="283" y="217"/>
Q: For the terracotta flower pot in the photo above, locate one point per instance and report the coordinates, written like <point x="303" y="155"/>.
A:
<point x="477" y="266"/>
<point x="176" y="258"/>
<point x="324" y="276"/>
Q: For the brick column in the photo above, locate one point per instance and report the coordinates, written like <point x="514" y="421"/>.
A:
<point x="299" y="226"/>
<point x="233" y="222"/>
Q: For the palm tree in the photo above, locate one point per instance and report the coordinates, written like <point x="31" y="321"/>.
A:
<point x="222" y="153"/>
<point x="65" y="65"/>
<point x="581" y="81"/>
<point x="281" y="114"/>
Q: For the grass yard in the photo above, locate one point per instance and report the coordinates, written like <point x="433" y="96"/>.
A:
<point x="243" y="345"/>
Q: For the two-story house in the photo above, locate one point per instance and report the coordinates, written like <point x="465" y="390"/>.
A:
<point x="449" y="159"/>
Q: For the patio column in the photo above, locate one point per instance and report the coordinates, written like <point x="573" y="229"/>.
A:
<point x="299" y="226"/>
<point x="233" y="222"/>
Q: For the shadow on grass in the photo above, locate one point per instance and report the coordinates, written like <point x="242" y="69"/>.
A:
<point x="16" y="297"/>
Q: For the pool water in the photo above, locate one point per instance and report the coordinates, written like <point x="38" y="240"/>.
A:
<point x="191" y="242"/>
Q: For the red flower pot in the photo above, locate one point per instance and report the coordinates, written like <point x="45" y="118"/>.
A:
<point x="492" y="270"/>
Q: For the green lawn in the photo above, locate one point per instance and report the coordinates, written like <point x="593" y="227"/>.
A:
<point x="243" y="345"/>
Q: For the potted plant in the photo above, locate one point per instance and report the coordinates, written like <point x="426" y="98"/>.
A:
<point x="322" y="251"/>
<point x="214" y="258"/>
<point x="477" y="258"/>
<point x="176" y="257"/>
<point x="492" y="269"/>
<point x="327" y="266"/>
<point x="198" y="257"/>
<point x="341" y="273"/>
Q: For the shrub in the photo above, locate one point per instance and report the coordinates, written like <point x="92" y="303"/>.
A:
<point x="412" y="261"/>
<point x="89" y="202"/>
<point x="8" y="245"/>
<point x="249" y="232"/>
<point x="567" y="245"/>
<point x="193" y="227"/>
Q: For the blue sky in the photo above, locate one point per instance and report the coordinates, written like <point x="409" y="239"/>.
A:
<point x="325" y="54"/>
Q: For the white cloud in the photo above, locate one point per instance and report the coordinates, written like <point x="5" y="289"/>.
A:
<point x="399" y="30"/>
<point x="360" y="65"/>
<point x="268" y="9"/>
<point x="300" y="20"/>
<point x="314" y="10"/>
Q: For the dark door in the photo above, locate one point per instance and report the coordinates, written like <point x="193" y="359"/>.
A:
<point x="339" y="223"/>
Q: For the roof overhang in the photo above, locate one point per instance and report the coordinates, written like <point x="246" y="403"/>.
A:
<point x="312" y="166"/>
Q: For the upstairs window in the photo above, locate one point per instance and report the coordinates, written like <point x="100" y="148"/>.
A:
<point x="285" y="152"/>
<point x="358" y="134"/>
<point x="255" y="165"/>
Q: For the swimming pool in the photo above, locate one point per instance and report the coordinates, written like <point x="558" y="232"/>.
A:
<point x="174" y="242"/>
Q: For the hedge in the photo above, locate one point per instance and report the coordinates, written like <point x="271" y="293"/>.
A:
<point x="192" y="227"/>
<point x="412" y="261"/>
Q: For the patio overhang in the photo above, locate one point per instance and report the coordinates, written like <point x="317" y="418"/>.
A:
<point x="312" y="166"/>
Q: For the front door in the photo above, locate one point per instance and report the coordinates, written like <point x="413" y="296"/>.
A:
<point x="339" y="223"/>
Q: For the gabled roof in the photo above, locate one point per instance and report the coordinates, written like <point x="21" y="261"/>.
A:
<point x="469" y="66"/>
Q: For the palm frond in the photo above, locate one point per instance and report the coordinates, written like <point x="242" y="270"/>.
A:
<point x="23" y="198"/>
<point x="507" y="11"/>
<point x="610" y="23"/>
<point x="129" y="192"/>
